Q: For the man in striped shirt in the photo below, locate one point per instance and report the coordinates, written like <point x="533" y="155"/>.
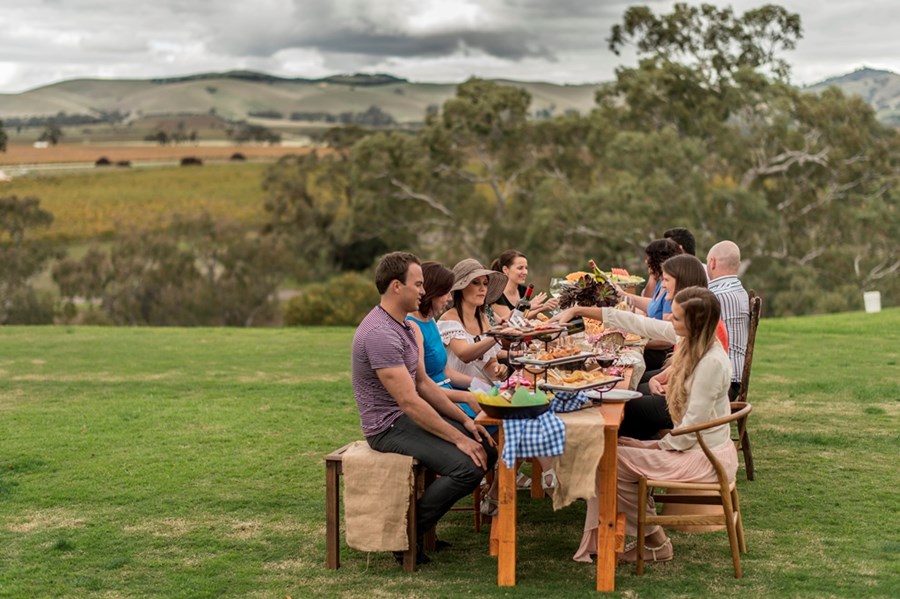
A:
<point x="722" y="263"/>
<point x="402" y="410"/>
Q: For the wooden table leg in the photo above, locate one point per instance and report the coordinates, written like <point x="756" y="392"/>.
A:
<point x="606" y="532"/>
<point x="332" y="515"/>
<point x="506" y="523"/>
<point x="537" y="473"/>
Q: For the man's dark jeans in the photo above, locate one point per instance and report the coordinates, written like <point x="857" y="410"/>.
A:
<point x="459" y="476"/>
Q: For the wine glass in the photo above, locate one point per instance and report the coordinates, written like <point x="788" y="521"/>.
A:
<point x="556" y="288"/>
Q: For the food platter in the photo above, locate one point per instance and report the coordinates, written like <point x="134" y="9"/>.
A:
<point x="606" y="383"/>
<point x="510" y="334"/>
<point x="579" y="357"/>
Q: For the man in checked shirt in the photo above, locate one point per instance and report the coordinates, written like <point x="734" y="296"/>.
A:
<point x="722" y="264"/>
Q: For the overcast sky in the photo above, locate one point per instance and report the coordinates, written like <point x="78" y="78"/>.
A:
<point x="46" y="41"/>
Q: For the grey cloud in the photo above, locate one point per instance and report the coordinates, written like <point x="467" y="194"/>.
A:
<point x="513" y="45"/>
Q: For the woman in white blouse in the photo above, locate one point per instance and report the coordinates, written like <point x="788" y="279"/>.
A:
<point x="463" y="326"/>
<point x="696" y="392"/>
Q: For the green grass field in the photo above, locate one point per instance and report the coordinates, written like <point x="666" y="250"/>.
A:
<point x="139" y="462"/>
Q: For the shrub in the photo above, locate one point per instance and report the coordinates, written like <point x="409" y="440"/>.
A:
<point x="344" y="300"/>
<point x="26" y="306"/>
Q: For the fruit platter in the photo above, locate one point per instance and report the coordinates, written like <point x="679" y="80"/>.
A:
<point x="621" y="277"/>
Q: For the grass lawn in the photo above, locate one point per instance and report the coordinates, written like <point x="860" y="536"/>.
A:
<point x="138" y="462"/>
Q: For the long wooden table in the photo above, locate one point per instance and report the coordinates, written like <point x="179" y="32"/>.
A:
<point x="611" y="530"/>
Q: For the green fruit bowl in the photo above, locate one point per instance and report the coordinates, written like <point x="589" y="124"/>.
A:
<point x="514" y="412"/>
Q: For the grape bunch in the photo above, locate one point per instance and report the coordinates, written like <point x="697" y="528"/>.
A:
<point x="588" y="291"/>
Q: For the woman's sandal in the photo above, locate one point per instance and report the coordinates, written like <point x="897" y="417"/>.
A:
<point x="552" y="483"/>
<point x="632" y="545"/>
<point x="489" y="506"/>
<point x="523" y="483"/>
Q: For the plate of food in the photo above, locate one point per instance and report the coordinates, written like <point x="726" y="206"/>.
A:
<point x="614" y="395"/>
<point x="577" y="380"/>
<point x="553" y="357"/>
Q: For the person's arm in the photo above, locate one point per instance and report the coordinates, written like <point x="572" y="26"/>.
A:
<point x="454" y="337"/>
<point x="647" y="291"/>
<point x="459" y="396"/>
<point x="659" y="382"/>
<point x="644" y="326"/>
<point x="576" y="311"/>
<point x="540" y="303"/>
<point x="397" y="382"/>
<point x="501" y="312"/>
<point x="469" y="352"/>
<point x="457" y="378"/>
<point x="638" y="301"/>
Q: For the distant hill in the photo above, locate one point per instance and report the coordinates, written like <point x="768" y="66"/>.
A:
<point x="249" y="95"/>
<point x="242" y="94"/>
<point x="879" y="89"/>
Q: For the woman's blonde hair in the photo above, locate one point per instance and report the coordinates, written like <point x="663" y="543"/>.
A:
<point x="701" y="317"/>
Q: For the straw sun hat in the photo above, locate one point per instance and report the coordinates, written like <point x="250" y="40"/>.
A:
<point x="467" y="270"/>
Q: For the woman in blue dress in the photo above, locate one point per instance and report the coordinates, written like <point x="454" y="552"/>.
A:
<point x="438" y="282"/>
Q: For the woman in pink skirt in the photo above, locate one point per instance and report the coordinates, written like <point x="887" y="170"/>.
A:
<point x="697" y="392"/>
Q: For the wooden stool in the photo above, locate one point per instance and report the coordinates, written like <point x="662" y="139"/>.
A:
<point x="333" y="472"/>
<point x="422" y="477"/>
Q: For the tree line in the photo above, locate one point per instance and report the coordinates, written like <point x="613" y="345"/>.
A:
<point x="705" y="132"/>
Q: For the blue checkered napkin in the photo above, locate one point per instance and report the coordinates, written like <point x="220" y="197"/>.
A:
<point x="533" y="437"/>
<point x="567" y="401"/>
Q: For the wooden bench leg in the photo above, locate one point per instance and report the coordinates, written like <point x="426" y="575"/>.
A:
<point x="332" y="515"/>
<point x="409" y="556"/>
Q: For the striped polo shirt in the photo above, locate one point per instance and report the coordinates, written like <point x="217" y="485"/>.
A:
<point x="735" y="304"/>
<point x="380" y="342"/>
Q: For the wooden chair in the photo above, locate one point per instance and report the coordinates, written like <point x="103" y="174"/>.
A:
<point x="724" y="494"/>
<point x="742" y="440"/>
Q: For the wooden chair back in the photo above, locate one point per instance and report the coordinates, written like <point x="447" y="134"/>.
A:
<point x="742" y="441"/>
<point x="755" y="312"/>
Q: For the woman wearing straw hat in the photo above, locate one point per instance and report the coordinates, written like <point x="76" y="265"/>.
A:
<point x="463" y="327"/>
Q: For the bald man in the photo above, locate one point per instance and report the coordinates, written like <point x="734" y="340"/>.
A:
<point x="722" y="264"/>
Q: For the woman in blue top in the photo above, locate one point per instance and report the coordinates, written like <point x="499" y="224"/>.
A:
<point x="432" y="352"/>
<point x="656" y="306"/>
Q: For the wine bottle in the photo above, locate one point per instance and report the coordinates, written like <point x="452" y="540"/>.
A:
<point x="598" y="274"/>
<point x="517" y="316"/>
<point x="574" y="326"/>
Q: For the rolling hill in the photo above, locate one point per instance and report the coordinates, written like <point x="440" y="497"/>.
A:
<point x="880" y="89"/>
<point x="238" y="95"/>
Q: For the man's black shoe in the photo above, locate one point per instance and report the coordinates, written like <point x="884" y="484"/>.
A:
<point x="421" y="558"/>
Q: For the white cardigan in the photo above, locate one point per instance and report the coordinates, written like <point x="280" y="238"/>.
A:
<point x="707" y="387"/>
